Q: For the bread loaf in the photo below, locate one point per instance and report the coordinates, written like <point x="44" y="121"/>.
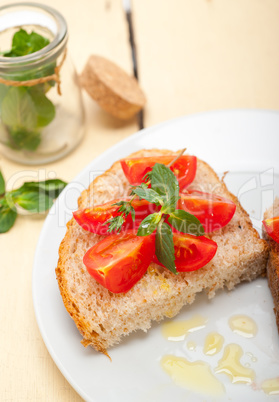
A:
<point x="104" y="318"/>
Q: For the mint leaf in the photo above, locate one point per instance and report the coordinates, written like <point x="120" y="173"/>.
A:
<point x="2" y="184"/>
<point x="146" y="178"/>
<point x="51" y="187"/>
<point x="185" y="222"/>
<point x="164" y="248"/>
<point x="44" y="107"/>
<point x="24" y="43"/>
<point x="3" y="91"/>
<point x="164" y="182"/>
<point x="24" y="111"/>
<point x="34" y="197"/>
<point x="34" y="201"/>
<point x="18" y="109"/>
<point x="149" y="195"/>
<point x="149" y="224"/>
<point x="7" y="218"/>
<point x="24" y="139"/>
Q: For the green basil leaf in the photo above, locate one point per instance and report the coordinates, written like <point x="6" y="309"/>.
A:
<point x="3" y="91"/>
<point x="149" y="195"/>
<point x="51" y="187"/>
<point x="149" y="224"/>
<point x="24" y="43"/>
<point x="2" y="184"/>
<point x="24" y="139"/>
<point x="143" y="186"/>
<point x="34" y="201"/>
<point x="18" y="109"/>
<point x="133" y="213"/>
<point x="169" y="206"/>
<point x="7" y="218"/>
<point x="44" y="107"/>
<point x="164" y="182"/>
<point x="185" y="222"/>
<point x="164" y="248"/>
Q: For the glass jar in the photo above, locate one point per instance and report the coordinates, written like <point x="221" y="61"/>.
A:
<point x="41" y="111"/>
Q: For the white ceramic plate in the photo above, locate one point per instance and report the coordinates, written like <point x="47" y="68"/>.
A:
<point x="246" y="144"/>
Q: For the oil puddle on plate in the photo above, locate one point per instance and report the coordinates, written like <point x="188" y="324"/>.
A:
<point x="192" y="374"/>
<point x="209" y="358"/>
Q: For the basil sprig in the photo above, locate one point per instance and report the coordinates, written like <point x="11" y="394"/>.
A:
<point x="34" y="197"/>
<point x="164" y="192"/>
<point x="24" y="43"/>
<point x="164" y="248"/>
<point x="26" y="110"/>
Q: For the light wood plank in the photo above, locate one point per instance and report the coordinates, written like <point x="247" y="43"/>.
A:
<point x="201" y="55"/>
<point x="27" y="371"/>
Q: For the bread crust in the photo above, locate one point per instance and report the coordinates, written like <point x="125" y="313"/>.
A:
<point x="104" y="318"/>
<point x="273" y="277"/>
<point x="273" y="262"/>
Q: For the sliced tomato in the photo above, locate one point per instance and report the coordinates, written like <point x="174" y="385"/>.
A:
<point x="184" y="168"/>
<point x="213" y="211"/>
<point x="93" y="219"/>
<point x="272" y="228"/>
<point x="191" y="252"/>
<point x="120" y="260"/>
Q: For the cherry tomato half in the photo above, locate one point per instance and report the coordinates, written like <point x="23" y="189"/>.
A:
<point x="213" y="211"/>
<point x="272" y="228"/>
<point x="119" y="261"/>
<point x="184" y="168"/>
<point x="93" y="219"/>
<point x="191" y="252"/>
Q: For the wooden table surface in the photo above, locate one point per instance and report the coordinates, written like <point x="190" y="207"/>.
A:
<point x="193" y="56"/>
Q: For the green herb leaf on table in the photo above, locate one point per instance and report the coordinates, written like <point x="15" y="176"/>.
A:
<point x="34" y="201"/>
<point x="2" y="184"/>
<point x="164" y="248"/>
<point x="51" y="187"/>
<point x="185" y="222"/>
<point x="7" y="217"/>
<point x="34" y="197"/>
<point x="149" y="224"/>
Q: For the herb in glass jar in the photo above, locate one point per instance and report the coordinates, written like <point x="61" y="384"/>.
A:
<point x="41" y="109"/>
<point x="26" y="109"/>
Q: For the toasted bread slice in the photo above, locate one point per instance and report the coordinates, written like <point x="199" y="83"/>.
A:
<point x="102" y="317"/>
<point x="273" y="262"/>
